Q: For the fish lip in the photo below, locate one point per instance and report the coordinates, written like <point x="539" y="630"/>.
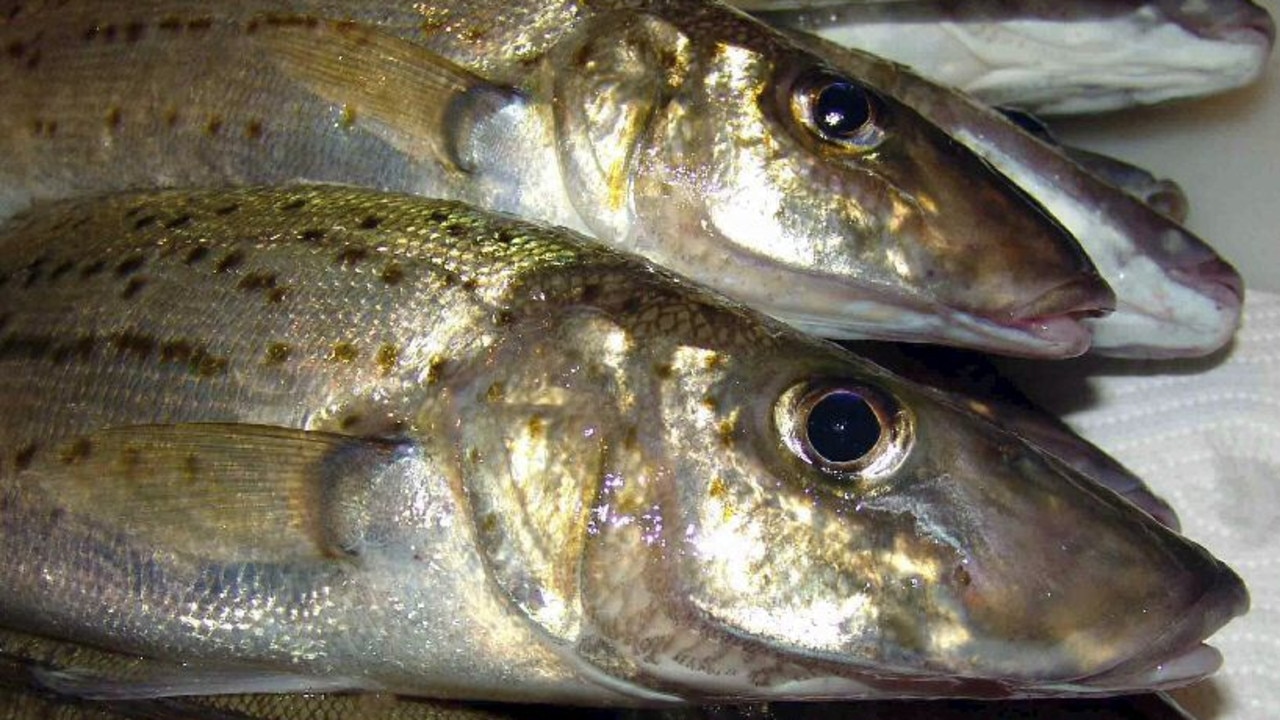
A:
<point x="1179" y="656"/>
<point x="1214" y="278"/>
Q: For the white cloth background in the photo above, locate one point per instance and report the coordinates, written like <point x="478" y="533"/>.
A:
<point x="1206" y="436"/>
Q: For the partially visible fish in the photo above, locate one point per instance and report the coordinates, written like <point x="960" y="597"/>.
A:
<point x="683" y="131"/>
<point x="1175" y="296"/>
<point x="1160" y="194"/>
<point x="976" y="382"/>
<point x="1047" y="56"/>
<point x="328" y="439"/>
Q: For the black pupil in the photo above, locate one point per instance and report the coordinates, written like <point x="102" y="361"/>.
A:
<point x="840" y="109"/>
<point x="842" y="427"/>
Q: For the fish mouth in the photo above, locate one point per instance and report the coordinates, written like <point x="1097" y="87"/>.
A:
<point x="1179" y="656"/>
<point x="1244" y="24"/>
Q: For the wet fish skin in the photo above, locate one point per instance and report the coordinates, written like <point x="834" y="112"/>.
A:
<point x="1050" y="57"/>
<point x="495" y="462"/>
<point x="638" y="123"/>
<point x="1176" y="297"/>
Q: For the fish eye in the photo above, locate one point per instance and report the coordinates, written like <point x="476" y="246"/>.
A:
<point x="844" y="428"/>
<point x="839" y="110"/>
<point x="841" y="427"/>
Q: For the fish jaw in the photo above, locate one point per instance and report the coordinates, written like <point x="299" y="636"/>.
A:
<point x="726" y="175"/>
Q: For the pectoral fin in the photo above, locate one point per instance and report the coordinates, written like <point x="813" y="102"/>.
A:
<point x="423" y="104"/>
<point x="222" y="492"/>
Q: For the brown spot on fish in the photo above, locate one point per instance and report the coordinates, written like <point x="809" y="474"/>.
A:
<point x="663" y="371"/>
<point x="631" y="306"/>
<point x="344" y="352"/>
<point x="191" y="468"/>
<point x="710" y="403"/>
<point x="392" y="274"/>
<point x="130" y="460"/>
<point x="133" y="32"/>
<point x="294" y="204"/>
<point x="277" y="295"/>
<point x="312" y="235"/>
<point x="15" y="49"/>
<point x="503" y="318"/>
<point x="91" y="34"/>
<point x="253" y="130"/>
<point x="108" y="33"/>
<point x="93" y="268"/>
<point x="507" y="235"/>
<point x="28" y="346"/>
<point x="22" y="460"/>
<point x="133" y="263"/>
<point x="536" y="427"/>
<point x="278" y="353"/>
<point x="255" y="281"/>
<point x="456" y="229"/>
<point x="435" y="368"/>
<point x="713" y="361"/>
<point x="33" y="60"/>
<point x="171" y="117"/>
<point x="138" y="344"/>
<point x="439" y="215"/>
<point x="170" y="24"/>
<point x="211" y="366"/>
<point x="224" y="210"/>
<point x="387" y="358"/>
<point x="370" y="222"/>
<point x="718" y="489"/>
<point x="44" y="128"/>
<point x="962" y="576"/>
<point x="115" y="118"/>
<point x="470" y="284"/>
<point x="179" y="221"/>
<point x="196" y="254"/>
<point x="347" y="117"/>
<point x="76" y="452"/>
<point x="199" y="25"/>
<point x="726" y="429"/>
<point x="80" y="349"/>
<point x="132" y="288"/>
<point x="214" y="126"/>
<point x="351" y="256"/>
<point x="350" y="420"/>
<point x="144" y="222"/>
<point x="177" y="351"/>
<point x="495" y="393"/>
<point x="229" y="262"/>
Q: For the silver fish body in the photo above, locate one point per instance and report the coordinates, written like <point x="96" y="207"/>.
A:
<point x="1052" y="57"/>
<point x="329" y="439"/>
<point x="683" y="131"/>
<point x="1175" y="296"/>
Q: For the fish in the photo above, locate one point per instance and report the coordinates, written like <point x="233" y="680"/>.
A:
<point x="329" y="439"/>
<point x="1175" y="295"/>
<point x="974" y="380"/>
<point x="683" y="131"/>
<point x="1047" y="57"/>
<point x="1163" y="195"/>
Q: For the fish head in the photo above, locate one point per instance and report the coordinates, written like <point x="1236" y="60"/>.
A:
<point x="711" y="505"/>
<point x="722" y="147"/>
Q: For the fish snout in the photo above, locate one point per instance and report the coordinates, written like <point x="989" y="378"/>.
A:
<point x="1178" y="655"/>
<point x="1055" y="316"/>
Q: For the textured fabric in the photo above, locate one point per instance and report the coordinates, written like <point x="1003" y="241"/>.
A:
<point x="1206" y="436"/>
